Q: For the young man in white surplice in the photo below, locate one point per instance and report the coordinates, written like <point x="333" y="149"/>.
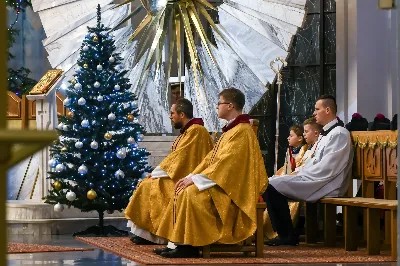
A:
<point x="326" y="174"/>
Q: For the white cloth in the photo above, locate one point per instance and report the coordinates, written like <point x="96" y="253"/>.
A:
<point x="146" y="234"/>
<point x="326" y="174"/>
<point x="202" y="182"/>
<point x="171" y="245"/>
<point x="158" y="172"/>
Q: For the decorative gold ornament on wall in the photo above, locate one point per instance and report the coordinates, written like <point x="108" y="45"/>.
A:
<point x="386" y="4"/>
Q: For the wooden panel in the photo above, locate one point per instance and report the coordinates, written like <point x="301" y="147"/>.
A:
<point x="391" y="164"/>
<point x="32" y="110"/>
<point x="14" y="110"/>
<point x="373" y="164"/>
<point x="61" y="110"/>
<point x="357" y="163"/>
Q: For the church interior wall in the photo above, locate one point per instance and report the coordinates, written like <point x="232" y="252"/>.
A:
<point x="367" y="59"/>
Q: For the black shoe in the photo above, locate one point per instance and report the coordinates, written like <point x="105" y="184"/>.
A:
<point x="182" y="252"/>
<point x="141" y="241"/>
<point x="282" y="241"/>
<point x="158" y="251"/>
<point x="133" y="238"/>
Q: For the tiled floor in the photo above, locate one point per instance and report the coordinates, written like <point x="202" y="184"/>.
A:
<point x="88" y="258"/>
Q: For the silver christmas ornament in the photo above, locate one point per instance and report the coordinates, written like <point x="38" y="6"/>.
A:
<point x="85" y="48"/>
<point x="119" y="174"/>
<point x="100" y="98"/>
<point x="58" y="207"/>
<point x="81" y="101"/>
<point x="96" y="84"/>
<point x="99" y="67"/>
<point x="71" y="196"/>
<point x="85" y="123"/>
<point x="52" y="163"/>
<point x="131" y="140"/>
<point x="94" y="145"/>
<point x="117" y="87"/>
<point x="111" y="116"/>
<point x="111" y="59"/>
<point x="78" y="144"/>
<point x="67" y="101"/>
<point x="121" y="154"/>
<point x="82" y="169"/>
<point x="60" y="167"/>
<point x="78" y="86"/>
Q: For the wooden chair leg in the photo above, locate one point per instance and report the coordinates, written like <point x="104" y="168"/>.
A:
<point x="394" y="234"/>
<point x="330" y="225"/>
<point x="247" y="242"/>
<point x="260" y="234"/>
<point x="373" y="232"/>
<point x="206" y="252"/>
<point x="311" y="222"/>
<point x="350" y="228"/>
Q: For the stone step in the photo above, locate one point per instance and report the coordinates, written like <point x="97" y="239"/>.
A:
<point x="157" y="143"/>
<point x="27" y="217"/>
<point x="59" y="226"/>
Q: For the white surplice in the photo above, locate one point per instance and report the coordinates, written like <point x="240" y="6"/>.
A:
<point x="326" y="174"/>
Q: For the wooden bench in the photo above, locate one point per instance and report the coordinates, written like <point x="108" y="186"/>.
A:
<point x="372" y="207"/>
<point x="247" y="246"/>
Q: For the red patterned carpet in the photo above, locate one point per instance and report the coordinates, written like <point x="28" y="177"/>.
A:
<point x="277" y="255"/>
<point x="16" y="248"/>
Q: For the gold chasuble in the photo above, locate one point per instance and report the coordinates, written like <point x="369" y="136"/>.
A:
<point x="294" y="207"/>
<point x="152" y="195"/>
<point x="226" y="211"/>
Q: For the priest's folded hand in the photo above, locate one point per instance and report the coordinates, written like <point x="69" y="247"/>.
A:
<point x="183" y="183"/>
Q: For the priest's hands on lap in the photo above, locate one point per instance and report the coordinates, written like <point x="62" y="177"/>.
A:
<point x="183" y="183"/>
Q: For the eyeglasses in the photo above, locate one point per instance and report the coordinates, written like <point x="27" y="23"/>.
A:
<point x="218" y="104"/>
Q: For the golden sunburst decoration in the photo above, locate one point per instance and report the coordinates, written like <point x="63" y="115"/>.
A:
<point x="168" y="16"/>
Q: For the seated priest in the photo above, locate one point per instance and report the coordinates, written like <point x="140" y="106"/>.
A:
<point x="216" y="203"/>
<point x="153" y="194"/>
<point x="326" y="174"/>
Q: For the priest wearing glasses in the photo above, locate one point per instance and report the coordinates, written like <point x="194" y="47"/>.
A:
<point x="326" y="174"/>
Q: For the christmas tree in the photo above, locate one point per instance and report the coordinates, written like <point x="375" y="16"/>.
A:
<point x="96" y="162"/>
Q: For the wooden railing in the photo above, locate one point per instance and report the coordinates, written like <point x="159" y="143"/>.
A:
<point x="21" y="113"/>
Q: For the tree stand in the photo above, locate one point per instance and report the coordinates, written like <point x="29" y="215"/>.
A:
<point x="101" y="230"/>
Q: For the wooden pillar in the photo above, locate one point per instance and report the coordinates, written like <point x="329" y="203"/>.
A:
<point x="24" y="113"/>
<point x="311" y="222"/>
<point x="5" y="151"/>
<point x="330" y="225"/>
